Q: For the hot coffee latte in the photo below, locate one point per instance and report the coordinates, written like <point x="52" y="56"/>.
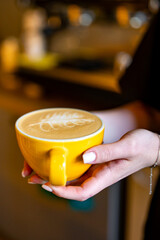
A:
<point x="60" y="123"/>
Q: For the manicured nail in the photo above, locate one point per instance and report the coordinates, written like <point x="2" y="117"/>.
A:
<point x="89" y="157"/>
<point x="47" y="188"/>
<point x="30" y="181"/>
<point x="23" y="173"/>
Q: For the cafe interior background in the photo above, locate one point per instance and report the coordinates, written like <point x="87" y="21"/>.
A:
<point x="68" y="53"/>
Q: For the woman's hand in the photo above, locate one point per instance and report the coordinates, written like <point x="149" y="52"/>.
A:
<point x="34" y="179"/>
<point x="110" y="163"/>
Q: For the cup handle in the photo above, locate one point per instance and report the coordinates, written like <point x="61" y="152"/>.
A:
<point x="57" y="175"/>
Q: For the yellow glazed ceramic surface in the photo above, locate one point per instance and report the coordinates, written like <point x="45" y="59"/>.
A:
<point x="57" y="161"/>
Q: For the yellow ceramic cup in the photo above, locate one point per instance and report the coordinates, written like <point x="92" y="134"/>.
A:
<point x="57" y="161"/>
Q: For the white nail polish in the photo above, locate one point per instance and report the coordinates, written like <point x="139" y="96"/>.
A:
<point x="47" y="188"/>
<point x="89" y="157"/>
<point x="23" y="174"/>
<point x="29" y="182"/>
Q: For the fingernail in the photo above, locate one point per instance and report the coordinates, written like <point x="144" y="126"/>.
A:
<point x="47" y="188"/>
<point x="30" y="182"/>
<point x="23" y="173"/>
<point x="89" y="157"/>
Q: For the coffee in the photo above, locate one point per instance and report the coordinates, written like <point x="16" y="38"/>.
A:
<point x="60" y="123"/>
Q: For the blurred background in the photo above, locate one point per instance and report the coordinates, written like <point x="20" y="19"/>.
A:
<point x="67" y="53"/>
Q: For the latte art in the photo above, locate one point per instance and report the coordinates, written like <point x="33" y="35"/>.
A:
<point x="60" y="123"/>
<point x="61" y="120"/>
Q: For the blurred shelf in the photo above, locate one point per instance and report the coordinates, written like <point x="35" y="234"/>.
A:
<point x="98" y="79"/>
<point x="105" y="80"/>
<point x="57" y="92"/>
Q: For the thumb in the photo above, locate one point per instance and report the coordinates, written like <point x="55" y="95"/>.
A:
<point x="106" y="152"/>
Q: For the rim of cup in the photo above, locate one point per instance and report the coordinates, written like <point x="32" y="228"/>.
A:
<point x="58" y="140"/>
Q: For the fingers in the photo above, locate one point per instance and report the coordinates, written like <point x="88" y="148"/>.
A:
<point x="27" y="170"/>
<point x="35" y="179"/>
<point x="85" y="176"/>
<point x="90" y="187"/>
<point x="106" y="152"/>
<point x="79" y="193"/>
<point x="103" y="176"/>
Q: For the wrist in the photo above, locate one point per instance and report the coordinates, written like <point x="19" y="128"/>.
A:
<point x="157" y="161"/>
<point x="158" y="154"/>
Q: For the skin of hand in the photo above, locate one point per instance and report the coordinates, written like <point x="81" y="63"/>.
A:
<point x="111" y="162"/>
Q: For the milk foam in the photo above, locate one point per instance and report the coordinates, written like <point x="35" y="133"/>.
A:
<point x="61" y="120"/>
<point x="61" y="123"/>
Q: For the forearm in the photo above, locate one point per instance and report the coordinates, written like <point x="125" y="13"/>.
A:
<point x="128" y="117"/>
